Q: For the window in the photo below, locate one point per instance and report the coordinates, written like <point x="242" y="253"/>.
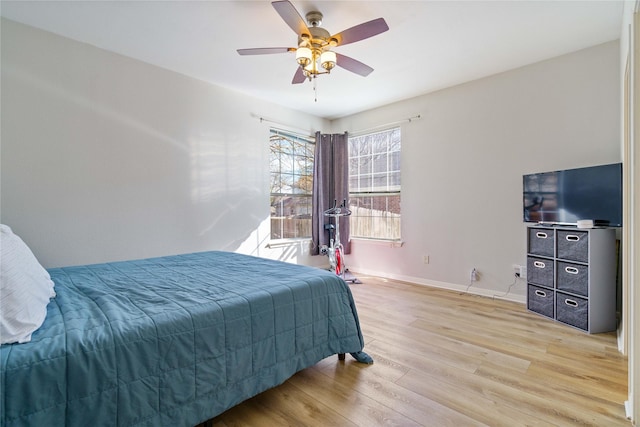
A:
<point x="291" y="167"/>
<point x="374" y="185"/>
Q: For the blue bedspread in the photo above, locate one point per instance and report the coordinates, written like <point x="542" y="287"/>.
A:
<point x="172" y="341"/>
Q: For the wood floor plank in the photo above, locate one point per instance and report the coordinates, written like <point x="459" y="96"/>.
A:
<point x="452" y="350"/>
<point x="561" y="393"/>
<point x="346" y="399"/>
<point x="415" y="406"/>
<point x="446" y="358"/>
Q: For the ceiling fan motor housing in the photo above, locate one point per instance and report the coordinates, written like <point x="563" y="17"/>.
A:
<point x="314" y="18"/>
<point x="319" y="37"/>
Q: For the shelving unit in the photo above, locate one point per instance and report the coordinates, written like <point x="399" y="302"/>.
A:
<point x="571" y="276"/>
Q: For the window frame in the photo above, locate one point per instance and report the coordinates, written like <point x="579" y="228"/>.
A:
<point x="392" y="187"/>
<point x="308" y="153"/>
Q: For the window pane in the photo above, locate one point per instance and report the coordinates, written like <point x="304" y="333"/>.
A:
<point x="353" y="167"/>
<point x="358" y="146"/>
<point x="394" y="161"/>
<point x="394" y="181"/>
<point x="365" y="183"/>
<point x="379" y="143"/>
<point x="365" y="165"/>
<point x="290" y="217"/>
<point x="353" y="182"/>
<point x="286" y="161"/>
<point x="380" y="182"/>
<point x="276" y="185"/>
<point x="287" y="181"/>
<point x="380" y="163"/>
<point x="376" y="217"/>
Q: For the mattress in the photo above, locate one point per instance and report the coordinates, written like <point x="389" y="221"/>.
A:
<point x="172" y="341"/>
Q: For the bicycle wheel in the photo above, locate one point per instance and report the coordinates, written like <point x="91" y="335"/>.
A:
<point x="339" y="261"/>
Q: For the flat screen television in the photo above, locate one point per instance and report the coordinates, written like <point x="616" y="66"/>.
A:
<point x="566" y="196"/>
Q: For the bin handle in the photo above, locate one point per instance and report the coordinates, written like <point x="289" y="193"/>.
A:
<point x="571" y="302"/>
<point x="572" y="237"/>
<point x="542" y="294"/>
<point x="541" y="235"/>
<point x="538" y="264"/>
<point x="571" y="270"/>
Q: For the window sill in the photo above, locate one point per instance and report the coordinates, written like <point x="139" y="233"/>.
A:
<point x="282" y="243"/>
<point x="380" y="242"/>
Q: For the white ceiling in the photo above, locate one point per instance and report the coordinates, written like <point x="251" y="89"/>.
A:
<point x="430" y="44"/>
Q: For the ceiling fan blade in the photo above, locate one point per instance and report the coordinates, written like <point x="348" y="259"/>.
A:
<point x="265" y="50"/>
<point x="291" y="16"/>
<point x="298" y="77"/>
<point x="353" y="65"/>
<point x="362" y="31"/>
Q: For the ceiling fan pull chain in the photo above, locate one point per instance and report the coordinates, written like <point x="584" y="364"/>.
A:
<point x="315" y="89"/>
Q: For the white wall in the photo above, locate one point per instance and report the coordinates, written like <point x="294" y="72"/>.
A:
<point x="107" y="158"/>
<point x="463" y="161"/>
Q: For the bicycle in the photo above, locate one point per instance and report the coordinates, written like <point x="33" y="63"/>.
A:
<point x="335" y="250"/>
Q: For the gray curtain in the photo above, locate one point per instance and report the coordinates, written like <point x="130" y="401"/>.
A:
<point x="330" y="183"/>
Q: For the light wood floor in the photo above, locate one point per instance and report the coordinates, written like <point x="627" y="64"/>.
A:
<point x="443" y="358"/>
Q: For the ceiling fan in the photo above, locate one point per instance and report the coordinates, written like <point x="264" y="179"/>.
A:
<point x="314" y="54"/>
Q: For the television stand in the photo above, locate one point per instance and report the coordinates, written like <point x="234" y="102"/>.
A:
<point x="556" y="224"/>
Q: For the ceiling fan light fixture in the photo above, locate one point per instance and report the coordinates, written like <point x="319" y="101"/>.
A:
<point x="314" y="52"/>
<point x="310" y="69"/>
<point x="304" y="56"/>
<point x="328" y="60"/>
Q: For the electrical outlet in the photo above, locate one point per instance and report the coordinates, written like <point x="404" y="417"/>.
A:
<point x="523" y="272"/>
<point x="426" y="259"/>
<point x="474" y="275"/>
<point x="520" y="271"/>
<point x="516" y="269"/>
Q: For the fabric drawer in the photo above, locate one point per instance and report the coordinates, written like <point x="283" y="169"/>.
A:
<point x="573" y="278"/>
<point x="540" y="271"/>
<point x="541" y="241"/>
<point x="540" y="300"/>
<point x="572" y="310"/>
<point x="573" y="245"/>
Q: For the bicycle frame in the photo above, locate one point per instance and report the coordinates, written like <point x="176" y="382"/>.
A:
<point x="335" y="250"/>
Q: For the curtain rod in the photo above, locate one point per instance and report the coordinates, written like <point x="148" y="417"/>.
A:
<point x="288" y="127"/>
<point x="306" y="131"/>
<point x="397" y="122"/>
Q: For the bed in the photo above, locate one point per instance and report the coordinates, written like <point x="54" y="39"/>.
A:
<point x="173" y="341"/>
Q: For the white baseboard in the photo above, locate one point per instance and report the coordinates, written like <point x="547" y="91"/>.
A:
<point x="627" y="409"/>
<point x="622" y="345"/>
<point x="491" y="293"/>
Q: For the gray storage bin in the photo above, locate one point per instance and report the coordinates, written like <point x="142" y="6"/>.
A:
<point x="572" y="278"/>
<point x="541" y="241"/>
<point x="540" y="271"/>
<point x="540" y="300"/>
<point x="572" y="310"/>
<point x="573" y="245"/>
<point x="580" y="276"/>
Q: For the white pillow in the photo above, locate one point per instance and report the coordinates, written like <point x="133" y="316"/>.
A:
<point x="25" y="289"/>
